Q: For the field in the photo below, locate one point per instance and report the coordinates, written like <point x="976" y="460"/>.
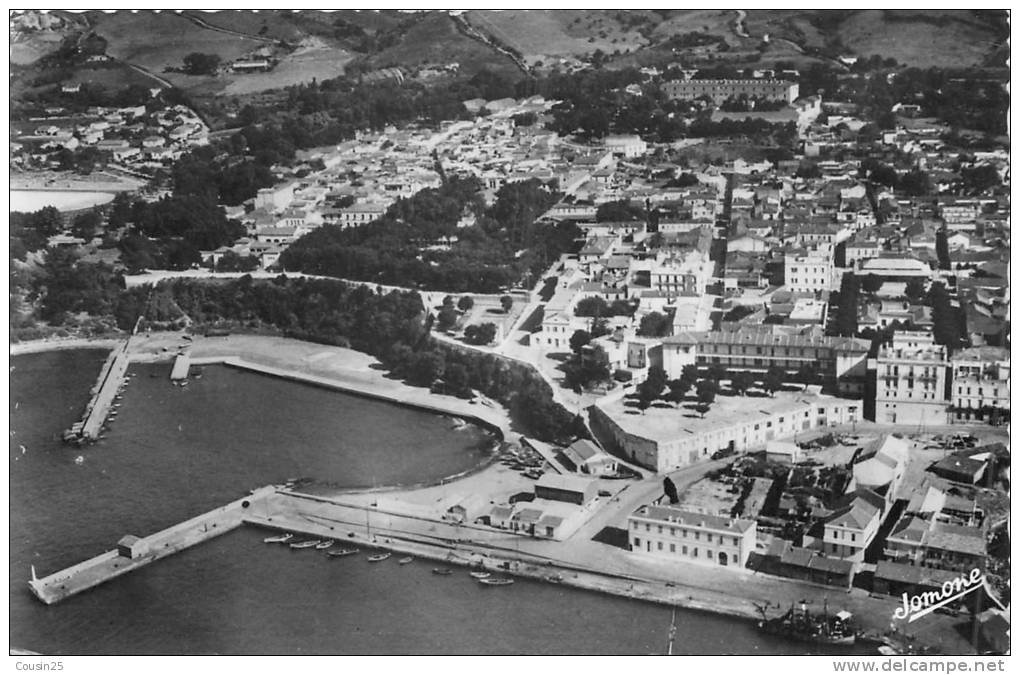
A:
<point x="29" y="49"/>
<point x="918" y="40"/>
<point x="944" y="38"/>
<point x="539" y="34"/>
<point x="313" y="59"/>
<point x="434" y="39"/>
<point x="156" y="40"/>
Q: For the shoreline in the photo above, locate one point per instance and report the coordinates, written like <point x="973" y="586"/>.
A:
<point x="352" y="372"/>
<point x="60" y="344"/>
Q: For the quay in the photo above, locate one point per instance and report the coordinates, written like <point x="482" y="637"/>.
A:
<point x="108" y="385"/>
<point x="371" y="521"/>
<point x="135" y="552"/>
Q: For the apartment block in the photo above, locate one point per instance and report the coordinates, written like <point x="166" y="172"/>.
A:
<point x="669" y="532"/>
<point x="910" y="380"/>
<point x="980" y="388"/>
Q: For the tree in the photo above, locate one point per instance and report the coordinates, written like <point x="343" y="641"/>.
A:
<point x="916" y="183"/>
<point x="669" y="487"/>
<point x="465" y="303"/>
<point x="447" y="318"/>
<point x="807" y="372"/>
<point x="678" y="388"/>
<point x="593" y="306"/>
<point x="619" y="211"/>
<point x="773" y="379"/>
<point x="654" y="324"/>
<point x="506" y="302"/>
<point x="706" y="391"/>
<point x="872" y="284"/>
<point x="197" y="63"/>
<point x="741" y="381"/>
<point x="86" y="225"/>
<point x="942" y="248"/>
<point x="579" y="339"/>
<point x="481" y="334"/>
<point x="456" y="378"/>
<point x="915" y="290"/>
<point x="716" y="371"/>
<point x="980" y="178"/>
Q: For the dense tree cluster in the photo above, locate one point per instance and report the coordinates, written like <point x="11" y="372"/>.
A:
<point x="504" y="246"/>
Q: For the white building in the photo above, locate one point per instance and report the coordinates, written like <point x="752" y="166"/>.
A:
<point x="686" y="536"/>
<point x="628" y="146"/>
<point x="910" y="380"/>
<point x="810" y="273"/>
<point x="980" y="382"/>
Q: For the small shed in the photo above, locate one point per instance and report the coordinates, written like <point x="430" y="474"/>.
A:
<point x="783" y="452"/>
<point x="130" y="546"/>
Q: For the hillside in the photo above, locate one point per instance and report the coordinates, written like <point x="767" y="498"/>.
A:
<point x="923" y="38"/>
<point x="432" y="38"/>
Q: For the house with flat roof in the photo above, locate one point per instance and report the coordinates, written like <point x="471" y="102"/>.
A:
<point x="686" y="536"/>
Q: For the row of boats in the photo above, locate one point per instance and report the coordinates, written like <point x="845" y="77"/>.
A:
<point x="484" y="578"/>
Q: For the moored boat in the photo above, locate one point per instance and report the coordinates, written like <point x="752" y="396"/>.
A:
<point x="820" y="628"/>
<point x="305" y="544"/>
<point x="324" y="544"/>
<point x="342" y="553"/>
<point x="405" y="561"/>
<point x="496" y="581"/>
<point x="379" y="557"/>
<point x="481" y="575"/>
<point x="279" y="538"/>
<point x="442" y="571"/>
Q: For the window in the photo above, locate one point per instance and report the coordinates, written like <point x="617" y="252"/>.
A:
<point x="672" y="531"/>
<point x="684" y="550"/>
<point x="672" y="548"/>
<point x="695" y="551"/>
<point x="648" y="527"/>
<point x="708" y="552"/>
<point x="660" y="529"/>
<point x="709" y="536"/>
<point x="853" y="537"/>
<point x="697" y="536"/>
<point x="735" y="541"/>
<point x="637" y="541"/>
<point x="660" y="545"/>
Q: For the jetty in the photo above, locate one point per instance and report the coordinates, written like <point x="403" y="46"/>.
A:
<point x="108" y="386"/>
<point x="135" y="552"/>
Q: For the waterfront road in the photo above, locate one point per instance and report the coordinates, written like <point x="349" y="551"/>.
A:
<point x="592" y="565"/>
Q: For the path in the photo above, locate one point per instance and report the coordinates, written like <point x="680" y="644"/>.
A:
<point x="475" y="34"/>
<point x="248" y="36"/>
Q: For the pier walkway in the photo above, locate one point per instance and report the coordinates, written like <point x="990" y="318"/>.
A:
<point x="585" y="565"/>
<point x="133" y="553"/>
<point x="108" y="385"/>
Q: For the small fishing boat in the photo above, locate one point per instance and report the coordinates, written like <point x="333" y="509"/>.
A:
<point x="279" y="538"/>
<point x="442" y="571"/>
<point x="305" y="544"/>
<point x="405" y="561"/>
<point x="342" y="553"/>
<point x="494" y="581"/>
<point x="481" y="575"/>
<point x="322" y="545"/>
<point x="379" y="557"/>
